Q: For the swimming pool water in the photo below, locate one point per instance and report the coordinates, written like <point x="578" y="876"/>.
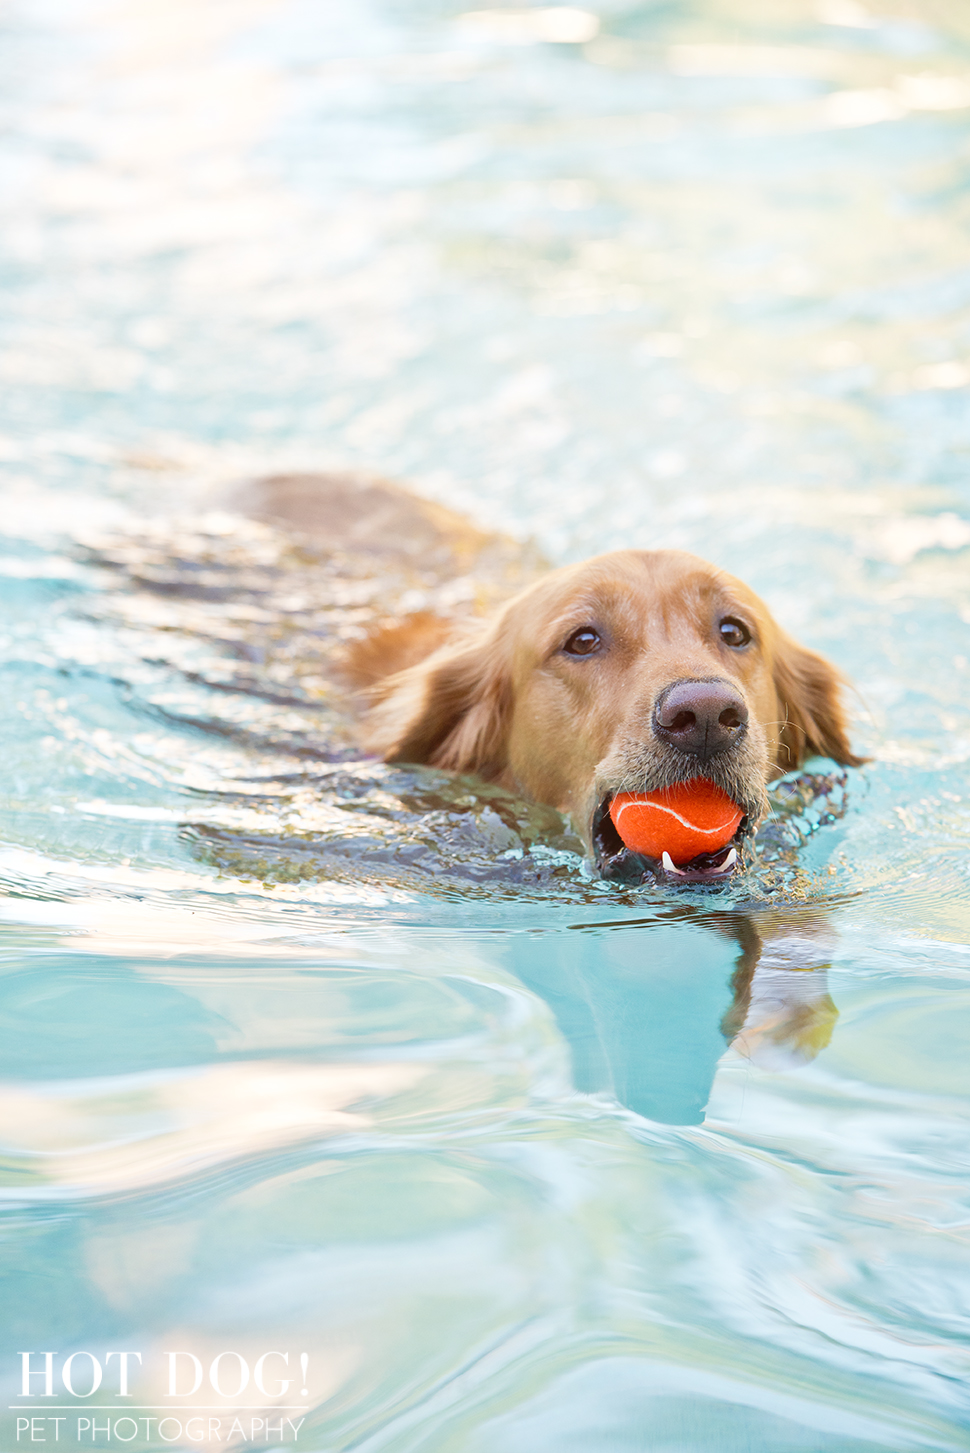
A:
<point x="306" y="1055"/>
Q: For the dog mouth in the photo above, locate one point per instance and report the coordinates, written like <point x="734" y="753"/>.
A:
<point x="618" y="863"/>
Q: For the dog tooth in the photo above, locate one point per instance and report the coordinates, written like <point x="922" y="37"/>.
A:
<point x="730" y="860"/>
<point x="668" y="864"/>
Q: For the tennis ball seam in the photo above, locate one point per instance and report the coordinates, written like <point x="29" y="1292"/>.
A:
<point x="684" y="822"/>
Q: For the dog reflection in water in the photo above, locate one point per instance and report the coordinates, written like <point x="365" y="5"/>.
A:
<point x="648" y="1007"/>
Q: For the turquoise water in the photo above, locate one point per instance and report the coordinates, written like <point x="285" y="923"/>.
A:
<point x="309" y="1056"/>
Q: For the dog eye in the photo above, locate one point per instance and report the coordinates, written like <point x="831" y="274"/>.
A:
<point x="734" y="632"/>
<point x="583" y="643"/>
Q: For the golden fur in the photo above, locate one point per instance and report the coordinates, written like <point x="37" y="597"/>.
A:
<point x="503" y="698"/>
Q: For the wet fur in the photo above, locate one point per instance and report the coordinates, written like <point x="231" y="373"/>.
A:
<point x="499" y="699"/>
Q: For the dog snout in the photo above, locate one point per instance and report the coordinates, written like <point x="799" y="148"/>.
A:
<point x="701" y="718"/>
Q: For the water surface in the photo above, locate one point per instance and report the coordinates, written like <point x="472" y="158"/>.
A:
<point x="310" y="1055"/>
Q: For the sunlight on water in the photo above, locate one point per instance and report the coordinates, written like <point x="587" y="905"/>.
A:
<point x="308" y="1053"/>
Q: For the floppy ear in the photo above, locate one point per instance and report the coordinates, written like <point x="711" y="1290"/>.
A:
<point x="451" y="710"/>
<point x="810" y="701"/>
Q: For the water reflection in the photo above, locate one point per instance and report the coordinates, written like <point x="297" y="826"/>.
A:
<point x="380" y="1152"/>
<point x="648" y="1006"/>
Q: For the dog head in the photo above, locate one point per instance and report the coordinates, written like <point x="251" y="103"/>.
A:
<point x="634" y="671"/>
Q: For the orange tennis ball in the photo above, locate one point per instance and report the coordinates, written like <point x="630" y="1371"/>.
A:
<point x="693" y="817"/>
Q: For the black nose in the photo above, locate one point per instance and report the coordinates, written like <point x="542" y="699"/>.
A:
<point x="700" y="717"/>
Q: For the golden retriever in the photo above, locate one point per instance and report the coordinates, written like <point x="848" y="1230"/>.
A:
<point x="634" y="671"/>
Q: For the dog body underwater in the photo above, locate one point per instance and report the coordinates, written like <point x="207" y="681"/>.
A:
<point x="634" y="671"/>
